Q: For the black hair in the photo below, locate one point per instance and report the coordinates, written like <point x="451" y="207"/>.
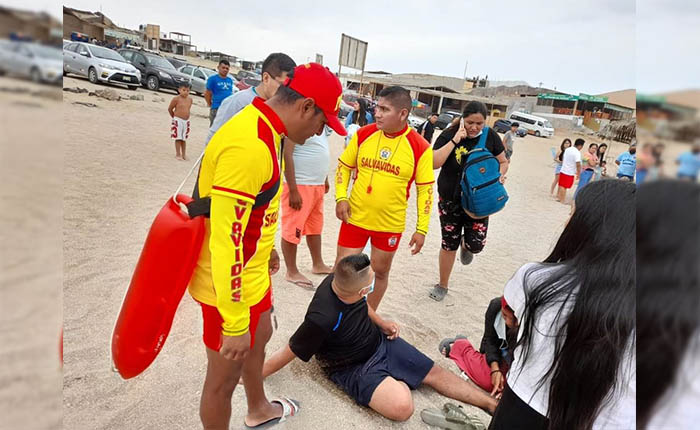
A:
<point x="600" y="154"/>
<point x="579" y="142"/>
<point x="590" y="145"/>
<point x="360" y="117"/>
<point x="224" y="61"/>
<point x="471" y="108"/>
<point x="277" y="63"/>
<point x="668" y="230"/>
<point x="515" y="124"/>
<point x="591" y="275"/>
<point x="433" y="114"/>
<point x="349" y="268"/>
<point x="184" y="84"/>
<point x="475" y="107"/>
<point x="399" y="97"/>
<point x="562" y="149"/>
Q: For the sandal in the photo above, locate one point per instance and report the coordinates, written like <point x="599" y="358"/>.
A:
<point x="453" y="413"/>
<point x="289" y="409"/>
<point x="438" y="418"/>
<point x="438" y="293"/>
<point x="465" y="256"/>
<point x="446" y="344"/>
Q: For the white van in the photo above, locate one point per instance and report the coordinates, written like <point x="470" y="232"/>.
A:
<point x="533" y="124"/>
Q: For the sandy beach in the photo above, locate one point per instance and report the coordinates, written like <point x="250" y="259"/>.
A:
<point x="120" y="168"/>
<point x="31" y="171"/>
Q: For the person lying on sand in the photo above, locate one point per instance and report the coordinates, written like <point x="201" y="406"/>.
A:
<point x="362" y="353"/>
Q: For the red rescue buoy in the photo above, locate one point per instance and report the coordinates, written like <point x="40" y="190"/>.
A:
<point x="160" y="279"/>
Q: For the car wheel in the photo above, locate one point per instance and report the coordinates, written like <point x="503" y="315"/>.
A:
<point x="537" y="133"/>
<point x="132" y="87"/>
<point x="92" y="75"/>
<point x="35" y="74"/>
<point x="152" y="83"/>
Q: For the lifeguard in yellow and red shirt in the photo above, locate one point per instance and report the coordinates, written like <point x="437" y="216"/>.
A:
<point x="389" y="157"/>
<point x="241" y="172"/>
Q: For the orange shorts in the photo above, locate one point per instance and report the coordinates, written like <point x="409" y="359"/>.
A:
<point x="308" y="220"/>
<point x="213" y="321"/>
<point x="355" y="237"/>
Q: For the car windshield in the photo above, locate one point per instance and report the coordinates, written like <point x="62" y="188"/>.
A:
<point x="548" y="124"/>
<point x="209" y="72"/>
<point x="106" y="54"/>
<point x="160" y="62"/>
<point x="46" y="52"/>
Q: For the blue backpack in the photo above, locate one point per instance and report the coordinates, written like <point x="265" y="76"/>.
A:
<point x="481" y="192"/>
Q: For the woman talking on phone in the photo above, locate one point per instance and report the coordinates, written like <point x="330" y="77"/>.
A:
<point x="450" y="153"/>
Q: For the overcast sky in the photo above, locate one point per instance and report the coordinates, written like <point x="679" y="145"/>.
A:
<point x="574" y="46"/>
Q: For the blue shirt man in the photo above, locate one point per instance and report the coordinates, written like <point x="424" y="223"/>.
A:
<point x="689" y="163"/>
<point x="627" y="162"/>
<point x="219" y="87"/>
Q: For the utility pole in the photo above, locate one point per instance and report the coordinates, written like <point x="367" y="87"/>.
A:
<point x="465" y="68"/>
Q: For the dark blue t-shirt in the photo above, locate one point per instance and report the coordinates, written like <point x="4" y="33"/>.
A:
<point x="220" y="89"/>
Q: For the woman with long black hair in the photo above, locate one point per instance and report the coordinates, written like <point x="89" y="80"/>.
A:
<point x="668" y="300"/>
<point x="574" y="363"/>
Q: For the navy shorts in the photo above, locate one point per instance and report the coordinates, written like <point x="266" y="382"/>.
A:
<point x="396" y="358"/>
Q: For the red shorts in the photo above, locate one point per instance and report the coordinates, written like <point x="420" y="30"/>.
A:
<point x="566" y="181"/>
<point x="213" y="321"/>
<point x="356" y="238"/>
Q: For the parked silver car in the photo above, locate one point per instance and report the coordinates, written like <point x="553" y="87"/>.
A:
<point x="31" y="60"/>
<point x="99" y="64"/>
<point x="199" y="75"/>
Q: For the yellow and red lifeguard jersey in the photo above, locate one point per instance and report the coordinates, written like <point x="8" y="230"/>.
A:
<point x="386" y="166"/>
<point x="241" y="161"/>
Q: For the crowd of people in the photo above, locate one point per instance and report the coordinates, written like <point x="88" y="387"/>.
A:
<point x="590" y="164"/>
<point x="558" y="345"/>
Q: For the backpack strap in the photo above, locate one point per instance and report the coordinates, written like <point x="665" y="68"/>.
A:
<point x="482" y="139"/>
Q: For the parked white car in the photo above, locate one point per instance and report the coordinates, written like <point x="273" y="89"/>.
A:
<point x="31" y="60"/>
<point x="536" y="125"/>
<point x="415" y="121"/>
<point x="99" y="64"/>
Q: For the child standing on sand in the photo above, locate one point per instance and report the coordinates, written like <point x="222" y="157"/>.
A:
<point x="179" y="110"/>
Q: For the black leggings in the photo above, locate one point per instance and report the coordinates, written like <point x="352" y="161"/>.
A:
<point x="454" y="221"/>
<point x="514" y="414"/>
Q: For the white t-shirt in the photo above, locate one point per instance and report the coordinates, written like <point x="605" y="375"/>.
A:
<point x="619" y="409"/>
<point x="571" y="157"/>
<point x="678" y="408"/>
<point x="312" y="160"/>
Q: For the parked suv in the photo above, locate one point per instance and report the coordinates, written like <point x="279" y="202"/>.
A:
<point x="445" y="119"/>
<point x="503" y="125"/>
<point x="99" y="64"/>
<point x="156" y="71"/>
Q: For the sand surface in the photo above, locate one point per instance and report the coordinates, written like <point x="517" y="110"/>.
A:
<point x="31" y="164"/>
<point x="119" y="170"/>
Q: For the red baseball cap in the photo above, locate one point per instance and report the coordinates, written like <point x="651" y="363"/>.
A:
<point x="317" y="82"/>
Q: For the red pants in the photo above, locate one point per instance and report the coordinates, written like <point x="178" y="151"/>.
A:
<point x="473" y="363"/>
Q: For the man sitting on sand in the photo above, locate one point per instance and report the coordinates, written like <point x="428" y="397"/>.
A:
<point x="362" y="353"/>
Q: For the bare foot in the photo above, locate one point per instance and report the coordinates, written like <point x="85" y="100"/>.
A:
<point x="299" y="280"/>
<point x="185" y="158"/>
<point x="177" y="157"/>
<point x="322" y="270"/>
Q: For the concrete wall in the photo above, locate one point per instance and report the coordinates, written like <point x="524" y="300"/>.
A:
<point x="71" y="24"/>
